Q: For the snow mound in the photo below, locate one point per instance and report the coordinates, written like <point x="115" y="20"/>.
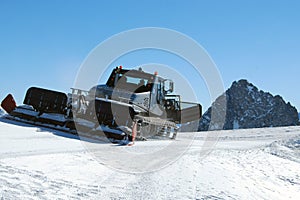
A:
<point x="287" y="149"/>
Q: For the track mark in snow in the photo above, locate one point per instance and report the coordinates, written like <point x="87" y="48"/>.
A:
<point x="16" y="183"/>
<point x="243" y="165"/>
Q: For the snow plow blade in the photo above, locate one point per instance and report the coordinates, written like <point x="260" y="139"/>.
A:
<point x="51" y="109"/>
<point x="43" y="106"/>
<point x="190" y="112"/>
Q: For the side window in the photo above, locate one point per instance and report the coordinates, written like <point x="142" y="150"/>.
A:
<point x="159" y="92"/>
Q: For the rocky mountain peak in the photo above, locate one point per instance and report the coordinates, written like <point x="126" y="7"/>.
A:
<point x="249" y="107"/>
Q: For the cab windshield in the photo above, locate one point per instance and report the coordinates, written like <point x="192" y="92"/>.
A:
<point x="133" y="83"/>
<point x="131" y="80"/>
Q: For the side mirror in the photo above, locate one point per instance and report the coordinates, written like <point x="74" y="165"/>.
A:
<point x="168" y="86"/>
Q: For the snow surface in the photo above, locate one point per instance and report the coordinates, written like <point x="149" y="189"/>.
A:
<point x="1" y="112"/>
<point x="39" y="163"/>
<point x="250" y="88"/>
<point x="236" y="124"/>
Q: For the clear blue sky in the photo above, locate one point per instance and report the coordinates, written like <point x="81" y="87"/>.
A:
<point x="43" y="43"/>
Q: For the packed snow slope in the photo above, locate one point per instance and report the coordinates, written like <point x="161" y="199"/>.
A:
<point x="37" y="163"/>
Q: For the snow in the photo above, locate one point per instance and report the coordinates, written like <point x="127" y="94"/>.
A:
<point x="39" y="163"/>
<point x="250" y="88"/>
<point x="236" y="124"/>
<point x="27" y="110"/>
<point x="54" y="116"/>
<point x="1" y="112"/>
